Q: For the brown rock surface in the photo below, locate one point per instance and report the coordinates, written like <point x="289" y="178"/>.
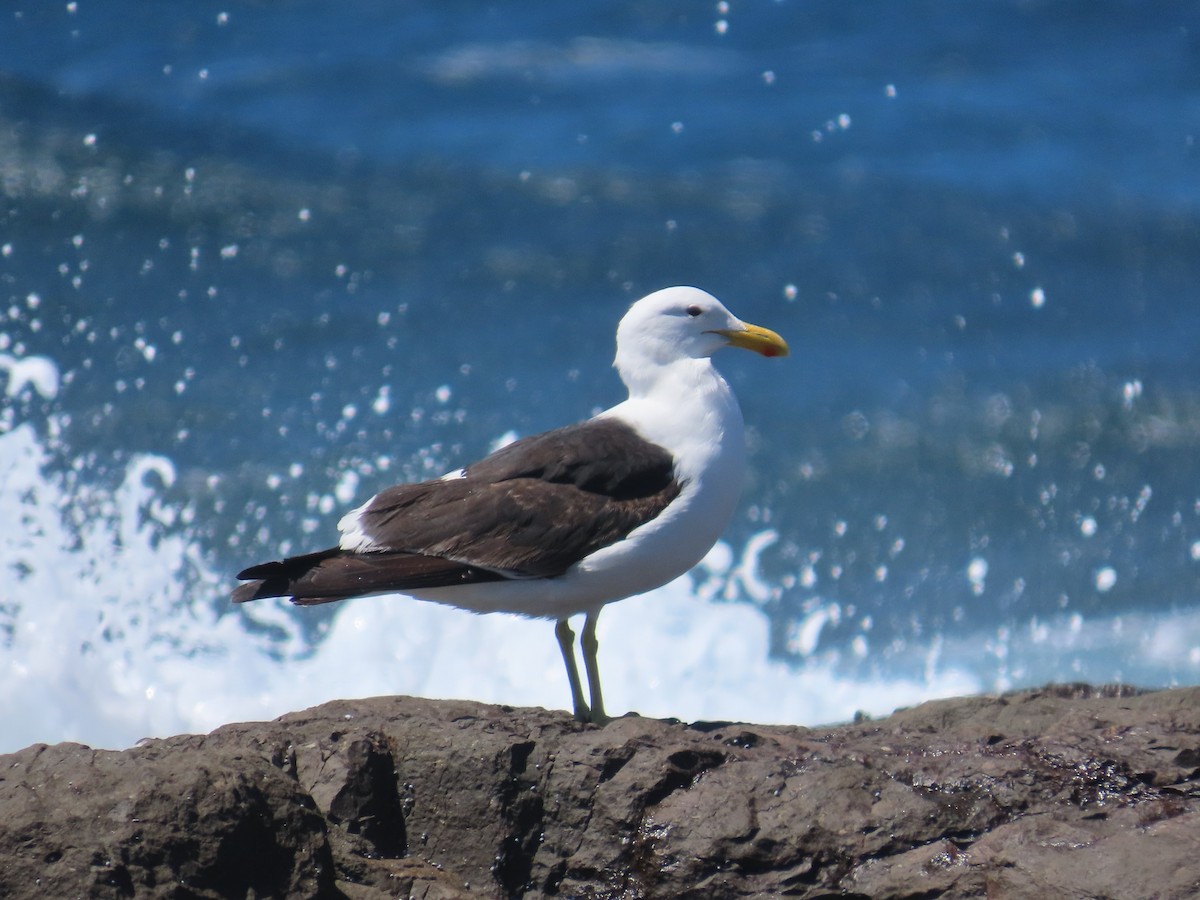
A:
<point x="1061" y="792"/>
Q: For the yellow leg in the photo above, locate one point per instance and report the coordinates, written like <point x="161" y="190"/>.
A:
<point x="566" y="643"/>
<point x="590" y="645"/>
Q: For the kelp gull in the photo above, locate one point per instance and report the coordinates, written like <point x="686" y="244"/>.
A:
<point x="563" y="522"/>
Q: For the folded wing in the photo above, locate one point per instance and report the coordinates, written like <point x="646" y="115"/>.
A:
<point x="530" y="510"/>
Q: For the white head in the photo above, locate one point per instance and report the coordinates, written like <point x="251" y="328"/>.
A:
<point x="679" y="323"/>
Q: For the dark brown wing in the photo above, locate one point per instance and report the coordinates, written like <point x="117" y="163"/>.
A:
<point x="600" y="456"/>
<point x="535" y="507"/>
<point x="530" y="510"/>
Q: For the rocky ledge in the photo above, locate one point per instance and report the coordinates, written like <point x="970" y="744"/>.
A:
<point x="1062" y="792"/>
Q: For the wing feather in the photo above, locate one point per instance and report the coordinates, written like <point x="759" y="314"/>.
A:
<point x="335" y="575"/>
<point x="535" y="507"/>
<point x="530" y="510"/>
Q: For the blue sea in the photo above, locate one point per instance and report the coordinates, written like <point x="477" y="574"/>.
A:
<point x="259" y="260"/>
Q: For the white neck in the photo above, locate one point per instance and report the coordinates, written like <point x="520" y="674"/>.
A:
<point x="686" y="407"/>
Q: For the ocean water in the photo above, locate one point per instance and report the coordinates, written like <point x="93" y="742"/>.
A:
<point x="259" y="261"/>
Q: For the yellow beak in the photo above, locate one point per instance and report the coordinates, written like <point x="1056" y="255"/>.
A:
<point x="753" y="337"/>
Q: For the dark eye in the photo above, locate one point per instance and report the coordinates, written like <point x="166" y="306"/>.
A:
<point x="694" y="311"/>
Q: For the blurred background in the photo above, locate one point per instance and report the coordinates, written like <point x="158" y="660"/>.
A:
<point x="259" y="260"/>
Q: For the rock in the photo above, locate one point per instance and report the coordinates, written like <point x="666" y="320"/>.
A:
<point x="1066" y="791"/>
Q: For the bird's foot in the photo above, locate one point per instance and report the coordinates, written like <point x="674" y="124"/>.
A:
<point x="588" y="715"/>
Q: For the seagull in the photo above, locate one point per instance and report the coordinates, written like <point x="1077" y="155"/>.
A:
<point x="561" y="523"/>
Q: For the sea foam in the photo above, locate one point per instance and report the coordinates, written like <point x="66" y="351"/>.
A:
<point x="114" y="626"/>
